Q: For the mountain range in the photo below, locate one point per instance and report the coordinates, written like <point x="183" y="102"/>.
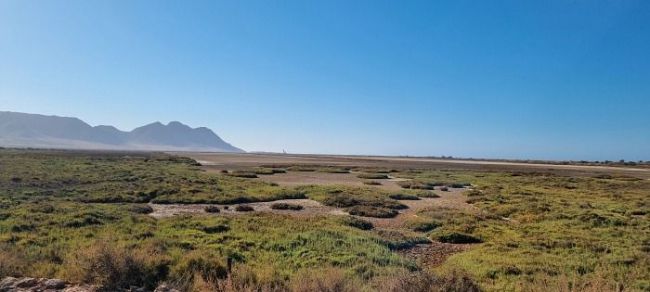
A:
<point x="40" y="131"/>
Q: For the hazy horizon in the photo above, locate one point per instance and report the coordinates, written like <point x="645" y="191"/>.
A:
<point x="515" y="80"/>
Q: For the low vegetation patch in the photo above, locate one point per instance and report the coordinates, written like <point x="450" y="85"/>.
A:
<point x="456" y="237"/>
<point x="416" y="185"/>
<point x="141" y="209"/>
<point x="425" y="226"/>
<point x="286" y="206"/>
<point x="357" y="223"/>
<point x="79" y="216"/>
<point x="459" y="185"/>
<point x="373" y="176"/>
<point x="211" y="209"/>
<point x="243" y="174"/>
<point x="369" y="211"/>
<point x="403" y="197"/>
<point x="244" y="208"/>
<point x="216" y="228"/>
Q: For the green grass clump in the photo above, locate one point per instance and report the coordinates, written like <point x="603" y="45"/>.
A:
<point x="357" y="223"/>
<point x="373" y="176"/>
<point x="459" y="185"/>
<point x="344" y="196"/>
<point x="416" y="185"/>
<point x="403" y="197"/>
<point x="458" y="238"/>
<point x="245" y="174"/>
<point x="425" y="226"/>
<point x="370" y="211"/>
<point x="244" y="208"/>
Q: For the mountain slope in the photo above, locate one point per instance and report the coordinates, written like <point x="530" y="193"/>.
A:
<point x="33" y="130"/>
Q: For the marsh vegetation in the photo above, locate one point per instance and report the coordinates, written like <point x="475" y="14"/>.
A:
<point x="63" y="214"/>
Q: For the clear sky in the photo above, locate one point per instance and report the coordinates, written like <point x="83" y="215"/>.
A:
<point x="564" y="79"/>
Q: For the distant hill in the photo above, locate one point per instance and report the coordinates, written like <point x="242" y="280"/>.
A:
<point x="40" y="131"/>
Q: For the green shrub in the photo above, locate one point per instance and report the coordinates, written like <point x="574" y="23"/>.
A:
<point x="373" y="176"/>
<point x="243" y="174"/>
<point x="141" y="209"/>
<point x="212" y="209"/>
<point x="357" y="223"/>
<point x="403" y="197"/>
<point x="215" y="228"/>
<point x="203" y="264"/>
<point x="416" y="185"/>
<point x="341" y="201"/>
<point x="244" y="208"/>
<point x="286" y="206"/>
<point x="425" y="226"/>
<point x="456" y="237"/>
<point x="116" y="269"/>
<point x="369" y="211"/>
<point x="86" y="220"/>
<point x="22" y="227"/>
<point x="638" y="212"/>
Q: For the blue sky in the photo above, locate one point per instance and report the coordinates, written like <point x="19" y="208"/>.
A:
<point x="504" y="79"/>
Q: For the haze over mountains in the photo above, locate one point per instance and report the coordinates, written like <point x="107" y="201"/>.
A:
<point x="40" y="131"/>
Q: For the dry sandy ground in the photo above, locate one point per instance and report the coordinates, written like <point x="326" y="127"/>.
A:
<point x="310" y="208"/>
<point x="247" y="160"/>
<point x="301" y="178"/>
<point x="453" y="199"/>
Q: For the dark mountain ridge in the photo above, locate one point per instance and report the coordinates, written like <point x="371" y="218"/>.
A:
<point x="41" y="131"/>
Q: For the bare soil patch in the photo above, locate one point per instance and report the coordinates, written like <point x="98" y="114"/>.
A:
<point x="433" y="254"/>
<point x="310" y="208"/>
<point x="247" y="160"/>
<point x="296" y="178"/>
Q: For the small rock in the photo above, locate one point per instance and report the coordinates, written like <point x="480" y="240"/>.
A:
<point x="7" y="283"/>
<point x="26" y="283"/>
<point x="165" y="288"/>
<point x="54" y="284"/>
